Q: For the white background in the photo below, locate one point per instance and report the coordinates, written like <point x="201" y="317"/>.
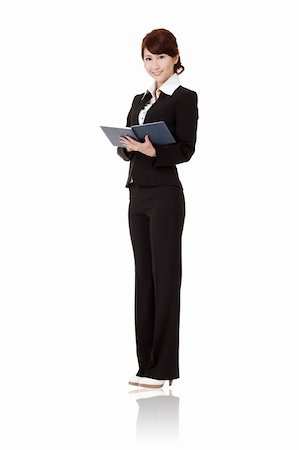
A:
<point x="67" y="271"/>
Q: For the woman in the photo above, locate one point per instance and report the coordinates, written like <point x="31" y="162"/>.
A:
<point x="157" y="208"/>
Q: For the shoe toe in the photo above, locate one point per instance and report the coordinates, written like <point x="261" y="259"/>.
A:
<point x="150" y="382"/>
<point x="134" y="380"/>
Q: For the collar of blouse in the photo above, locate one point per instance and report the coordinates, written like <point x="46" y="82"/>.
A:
<point x="168" y="87"/>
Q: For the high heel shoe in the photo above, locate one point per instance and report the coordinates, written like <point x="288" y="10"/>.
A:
<point x="152" y="383"/>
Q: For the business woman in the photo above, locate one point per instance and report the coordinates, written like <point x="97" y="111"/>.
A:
<point x="157" y="208"/>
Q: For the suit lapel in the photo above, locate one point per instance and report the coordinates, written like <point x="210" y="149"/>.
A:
<point x="155" y="107"/>
<point x="141" y="104"/>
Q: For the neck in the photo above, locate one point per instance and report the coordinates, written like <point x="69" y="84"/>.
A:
<point x="158" y="85"/>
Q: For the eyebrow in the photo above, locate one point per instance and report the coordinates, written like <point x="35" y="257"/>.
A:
<point x="158" y="54"/>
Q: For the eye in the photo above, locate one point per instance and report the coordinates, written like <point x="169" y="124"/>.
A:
<point x="162" y="56"/>
<point x="148" y="58"/>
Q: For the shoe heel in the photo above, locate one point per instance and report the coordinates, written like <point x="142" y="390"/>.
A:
<point x="170" y="382"/>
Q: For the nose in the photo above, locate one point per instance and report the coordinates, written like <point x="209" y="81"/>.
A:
<point x="156" y="64"/>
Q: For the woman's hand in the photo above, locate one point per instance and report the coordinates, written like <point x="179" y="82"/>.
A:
<point x="134" y="146"/>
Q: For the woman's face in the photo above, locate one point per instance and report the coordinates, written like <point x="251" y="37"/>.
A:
<point x="160" y="67"/>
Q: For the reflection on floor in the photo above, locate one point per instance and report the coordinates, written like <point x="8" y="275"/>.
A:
<point x="158" y="416"/>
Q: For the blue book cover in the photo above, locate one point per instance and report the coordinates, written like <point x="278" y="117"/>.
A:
<point x="158" y="133"/>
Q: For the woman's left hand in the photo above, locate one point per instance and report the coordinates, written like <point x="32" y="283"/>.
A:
<point x="143" y="147"/>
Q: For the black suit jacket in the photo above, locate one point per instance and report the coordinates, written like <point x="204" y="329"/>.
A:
<point x="180" y="113"/>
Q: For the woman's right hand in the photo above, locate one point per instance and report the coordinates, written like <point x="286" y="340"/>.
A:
<point x="125" y="142"/>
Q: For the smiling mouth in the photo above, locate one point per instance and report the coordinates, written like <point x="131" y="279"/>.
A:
<point x="159" y="73"/>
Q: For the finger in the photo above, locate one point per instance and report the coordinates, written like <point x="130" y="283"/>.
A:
<point x="130" y="139"/>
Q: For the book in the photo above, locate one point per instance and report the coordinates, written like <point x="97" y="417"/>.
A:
<point x="158" y="133"/>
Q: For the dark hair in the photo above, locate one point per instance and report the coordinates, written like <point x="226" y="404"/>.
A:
<point x="162" y="41"/>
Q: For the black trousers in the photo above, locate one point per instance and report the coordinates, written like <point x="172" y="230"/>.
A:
<point x="156" y="220"/>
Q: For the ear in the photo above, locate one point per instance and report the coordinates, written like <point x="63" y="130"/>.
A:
<point x="176" y="58"/>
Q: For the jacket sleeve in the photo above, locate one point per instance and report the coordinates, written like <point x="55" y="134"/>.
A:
<point x="124" y="154"/>
<point x="122" y="151"/>
<point x="186" y="118"/>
